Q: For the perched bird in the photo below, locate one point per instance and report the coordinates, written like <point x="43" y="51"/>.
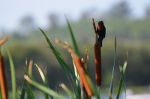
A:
<point x="100" y="31"/>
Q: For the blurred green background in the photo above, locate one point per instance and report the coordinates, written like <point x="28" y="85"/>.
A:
<point x="132" y="37"/>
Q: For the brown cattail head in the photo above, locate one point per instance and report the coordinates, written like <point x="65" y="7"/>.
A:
<point x="97" y="60"/>
<point x="3" y="83"/>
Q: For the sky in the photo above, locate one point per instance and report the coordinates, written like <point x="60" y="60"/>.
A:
<point x="11" y="11"/>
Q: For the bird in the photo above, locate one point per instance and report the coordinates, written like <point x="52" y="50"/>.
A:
<point x="100" y="31"/>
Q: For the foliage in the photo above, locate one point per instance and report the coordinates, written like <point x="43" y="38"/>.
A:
<point x="80" y="79"/>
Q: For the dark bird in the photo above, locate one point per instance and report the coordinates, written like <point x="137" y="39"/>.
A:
<point x="100" y="31"/>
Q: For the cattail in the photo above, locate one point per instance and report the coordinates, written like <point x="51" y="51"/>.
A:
<point x="100" y="32"/>
<point x="97" y="60"/>
<point x="3" y="83"/>
<point x="79" y="66"/>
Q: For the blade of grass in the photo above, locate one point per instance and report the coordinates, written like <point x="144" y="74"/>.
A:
<point x="44" y="79"/>
<point x="57" y="55"/>
<point x="29" y="91"/>
<point x="67" y="90"/>
<point x="23" y="90"/>
<point x="43" y="88"/>
<point x="124" y="77"/>
<point x="121" y="82"/>
<point x="22" y="96"/>
<point x="62" y="63"/>
<point x="76" y="49"/>
<point x="26" y="88"/>
<point x="30" y="66"/>
<point x="13" y="77"/>
<point x="113" y="70"/>
<point x="42" y="75"/>
<point x="75" y="46"/>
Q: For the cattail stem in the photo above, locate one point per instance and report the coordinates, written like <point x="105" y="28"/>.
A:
<point x="97" y="60"/>
<point x="3" y="83"/>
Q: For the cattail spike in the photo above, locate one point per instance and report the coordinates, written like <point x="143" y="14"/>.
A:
<point x="97" y="61"/>
<point x="3" y="83"/>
